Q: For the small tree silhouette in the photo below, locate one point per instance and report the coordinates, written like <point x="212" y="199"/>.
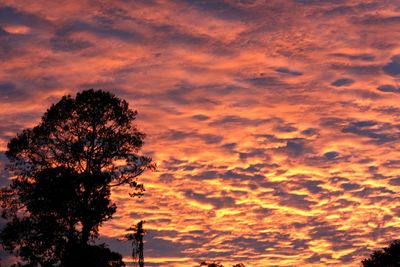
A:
<point x="387" y="257"/>
<point x="217" y="264"/>
<point x="211" y="264"/>
<point x="63" y="171"/>
<point x="137" y="242"/>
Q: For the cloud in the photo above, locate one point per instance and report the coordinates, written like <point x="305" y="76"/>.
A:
<point x="206" y="175"/>
<point x="288" y="71"/>
<point x="378" y="132"/>
<point x="166" y="177"/>
<point x="13" y="16"/>
<point x="357" y="69"/>
<point x="373" y="20"/>
<point x="342" y="82"/>
<point x="294" y="200"/>
<point x="67" y="44"/>
<point x="264" y="81"/>
<point x="285" y="128"/>
<point x="175" y="36"/>
<point x="7" y="87"/>
<point x="350" y="186"/>
<point x="317" y="2"/>
<point x="345" y="9"/>
<point x="387" y="88"/>
<point x="363" y="94"/>
<point x="331" y="155"/>
<point x="395" y="181"/>
<point x="310" y="131"/>
<point x="217" y="202"/>
<point x="233" y="120"/>
<point x="10" y="92"/>
<point x="362" y="57"/>
<point x="296" y="148"/>
<point x="239" y="175"/>
<point x="393" y="67"/>
<point x="3" y="32"/>
<point x="100" y="31"/>
<point x="175" y="135"/>
<point x="221" y="9"/>
<point x="254" y="153"/>
<point x="250" y="144"/>
<point x="200" y="117"/>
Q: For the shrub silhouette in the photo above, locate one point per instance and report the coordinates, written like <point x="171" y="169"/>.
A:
<point x="217" y="264"/>
<point x="210" y="264"/>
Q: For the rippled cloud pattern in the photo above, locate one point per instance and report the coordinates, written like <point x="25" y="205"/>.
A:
<point x="275" y="124"/>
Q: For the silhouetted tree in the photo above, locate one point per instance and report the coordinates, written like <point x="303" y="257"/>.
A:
<point x="218" y="264"/>
<point x="387" y="257"/>
<point x="211" y="264"/>
<point x="137" y="242"/>
<point x="63" y="170"/>
<point x="94" y="256"/>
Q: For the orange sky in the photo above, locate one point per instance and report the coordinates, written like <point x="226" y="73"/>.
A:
<point x="275" y="124"/>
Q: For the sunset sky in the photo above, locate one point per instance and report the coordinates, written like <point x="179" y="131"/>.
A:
<point x="275" y="124"/>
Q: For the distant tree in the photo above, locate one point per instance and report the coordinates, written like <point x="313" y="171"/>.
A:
<point x="211" y="264"/>
<point x="136" y="236"/>
<point x="386" y="257"/>
<point x="217" y="264"/>
<point x="63" y="171"/>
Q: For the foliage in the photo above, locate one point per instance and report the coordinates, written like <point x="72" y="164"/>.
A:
<point x="94" y="256"/>
<point x="387" y="257"/>
<point x="218" y="264"/>
<point x="210" y="264"/>
<point x="63" y="171"/>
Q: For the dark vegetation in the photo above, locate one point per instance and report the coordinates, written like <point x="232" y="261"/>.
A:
<point x="63" y="171"/>
<point x="136" y="235"/>
<point x="386" y="257"/>
<point x="218" y="264"/>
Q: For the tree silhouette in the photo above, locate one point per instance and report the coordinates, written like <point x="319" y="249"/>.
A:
<point x="94" y="256"/>
<point x="217" y="264"/>
<point x="211" y="264"/>
<point x="387" y="257"/>
<point x="136" y="236"/>
<point x="63" y="171"/>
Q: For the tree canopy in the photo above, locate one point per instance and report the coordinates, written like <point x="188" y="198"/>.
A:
<point x="63" y="170"/>
<point x="386" y="257"/>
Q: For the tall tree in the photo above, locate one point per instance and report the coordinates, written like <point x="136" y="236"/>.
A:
<point x="63" y="171"/>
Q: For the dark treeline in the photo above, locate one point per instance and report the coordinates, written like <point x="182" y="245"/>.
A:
<point x="63" y="170"/>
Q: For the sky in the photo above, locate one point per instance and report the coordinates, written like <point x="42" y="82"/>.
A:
<point x="274" y="124"/>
